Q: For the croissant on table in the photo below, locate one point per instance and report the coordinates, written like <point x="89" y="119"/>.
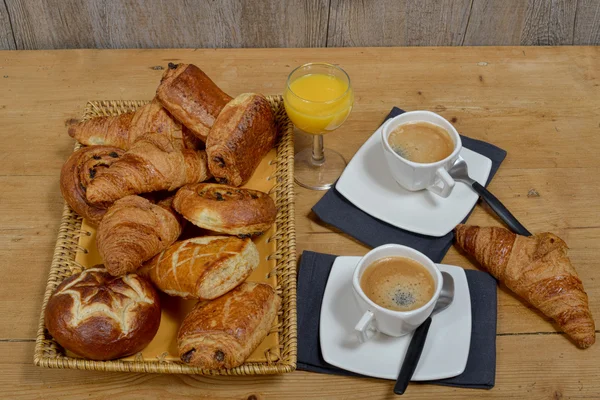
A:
<point x="124" y="130"/>
<point x="152" y="164"/>
<point x="537" y="269"/>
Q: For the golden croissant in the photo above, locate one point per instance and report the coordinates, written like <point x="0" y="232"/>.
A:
<point x="124" y="130"/>
<point x="135" y="230"/>
<point x="152" y="164"/>
<point x="537" y="269"/>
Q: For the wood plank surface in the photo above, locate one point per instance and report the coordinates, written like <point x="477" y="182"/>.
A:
<point x="7" y="39"/>
<point x="55" y="24"/>
<point x="538" y="103"/>
<point x="548" y="23"/>
<point x="587" y="22"/>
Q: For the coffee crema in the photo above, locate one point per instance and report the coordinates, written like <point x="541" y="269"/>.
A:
<point x="421" y="142"/>
<point x="398" y="283"/>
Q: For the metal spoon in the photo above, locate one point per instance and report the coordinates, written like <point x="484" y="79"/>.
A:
<point x="415" y="348"/>
<point x="460" y="172"/>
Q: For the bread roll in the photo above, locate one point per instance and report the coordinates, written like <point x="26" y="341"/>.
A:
<point x="223" y="332"/>
<point x="191" y="97"/>
<point x="135" y="230"/>
<point x="204" y="267"/>
<point x="242" y="135"/>
<point x="77" y="173"/>
<point x="100" y="317"/>
<point x="226" y="209"/>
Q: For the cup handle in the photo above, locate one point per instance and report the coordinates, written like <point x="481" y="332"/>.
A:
<point x="446" y="181"/>
<point x="362" y="327"/>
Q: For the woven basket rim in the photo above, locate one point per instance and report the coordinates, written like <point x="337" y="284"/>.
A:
<point x="46" y="349"/>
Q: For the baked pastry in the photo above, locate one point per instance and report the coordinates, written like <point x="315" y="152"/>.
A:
<point x="77" y="173"/>
<point x="242" y="135"/>
<point x="222" y="333"/>
<point x="191" y="97"/>
<point x="226" y="209"/>
<point x="204" y="267"/>
<point x="152" y="164"/>
<point x="125" y="129"/>
<point x="537" y="269"/>
<point x="100" y="317"/>
<point x="133" y="231"/>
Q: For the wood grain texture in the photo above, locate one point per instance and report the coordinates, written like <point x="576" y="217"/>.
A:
<point x="587" y="23"/>
<point x="548" y="23"/>
<point x="549" y="126"/>
<point x="7" y="39"/>
<point x="394" y="23"/>
<point x="55" y="24"/>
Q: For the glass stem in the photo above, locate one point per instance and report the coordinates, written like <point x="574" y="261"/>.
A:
<point x="318" y="157"/>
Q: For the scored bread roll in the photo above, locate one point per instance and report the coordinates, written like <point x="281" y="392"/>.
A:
<point x="135" y="230"/>
<point x="191" y="97"/>
<point x="101" y="317"/>
<point x="222" y="333"/>
<point x="77" y="173"/>
<point x="204" y="267"/>
<point x="242" y="135"/>
<point x="226" y="209"/>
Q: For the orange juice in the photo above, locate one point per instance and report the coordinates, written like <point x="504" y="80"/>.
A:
<point x="318" y="103"/>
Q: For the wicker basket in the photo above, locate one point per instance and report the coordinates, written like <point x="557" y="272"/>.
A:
<point x="48" y="353"/>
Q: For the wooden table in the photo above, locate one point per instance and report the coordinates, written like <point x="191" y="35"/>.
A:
<point x="540" y="104"/>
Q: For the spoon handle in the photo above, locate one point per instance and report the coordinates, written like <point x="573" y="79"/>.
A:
<point x="499" y="209"/>
<point x="413" y="354"/>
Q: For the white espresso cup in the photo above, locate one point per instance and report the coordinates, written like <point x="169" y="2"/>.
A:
<point x="390" y="322"/>
<point x="417" y="176"/>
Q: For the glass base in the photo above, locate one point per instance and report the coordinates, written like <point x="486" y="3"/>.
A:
<point x="318" y="176"/>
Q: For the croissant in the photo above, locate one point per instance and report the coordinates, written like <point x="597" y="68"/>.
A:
<point x="134" y="230"/>
<point x="537" y="269"/>
<point x="152" y="164"/>
<point x="125" y="129"/>
<point x="77" y="173"/>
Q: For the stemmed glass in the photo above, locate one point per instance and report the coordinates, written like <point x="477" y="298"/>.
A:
<point x="318" y="98"/>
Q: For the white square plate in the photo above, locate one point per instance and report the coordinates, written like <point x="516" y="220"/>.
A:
<point x="446" y="349"/>
<point x="368" y="184"/>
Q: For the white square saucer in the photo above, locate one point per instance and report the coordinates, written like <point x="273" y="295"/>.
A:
<point x="368" y="184"/>
<point x="446" y="349"/>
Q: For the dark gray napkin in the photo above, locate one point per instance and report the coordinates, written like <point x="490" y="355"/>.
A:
<point x="480" y="372"/>
<point x="335" y="210"/>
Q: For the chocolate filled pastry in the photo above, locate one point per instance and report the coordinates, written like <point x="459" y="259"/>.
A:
<point x="135" y="230"/>
<point x="125" y="129"/>
<point x="226" y="209"/>
<point x="77" y="173"/>
<point x="222" y="333"/>
<point x="205" y="267"/>
<point x="242" y="135"/>
<point x="191" y="97"/>
<point x="100" y="317"/>
<point x="538" y="270"/>
<point x="152" y="164"/>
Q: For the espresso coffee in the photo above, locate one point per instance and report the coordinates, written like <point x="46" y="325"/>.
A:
<point x="421" y="142"/>
<point x="398" y="283"/>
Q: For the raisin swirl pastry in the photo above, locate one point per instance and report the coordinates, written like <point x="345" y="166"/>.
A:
<point x="77" y="173"/>
<point x="226" y="209"/>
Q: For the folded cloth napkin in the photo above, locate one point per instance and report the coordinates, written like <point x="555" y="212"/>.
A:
<point x="335" y="210"/>
<point x="480" y="371"/>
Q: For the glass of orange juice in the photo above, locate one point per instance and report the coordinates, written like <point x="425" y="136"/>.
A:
<point x="318" y="98"/>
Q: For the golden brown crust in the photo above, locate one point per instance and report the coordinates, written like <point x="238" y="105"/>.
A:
<point x="133" y="231"/>
<point x="191" y="97"/>
<point x="222" y="333"/>
<point x="77" y="173"/>
<point x="536" y="268"/>
<point x="152" y="164"/>
<point x="226" y="209"/>
<point x="242" y="135"/>
<point x="204" y="267"/>
<point x="100" y="317"/>
<point x="125" y="129"/>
